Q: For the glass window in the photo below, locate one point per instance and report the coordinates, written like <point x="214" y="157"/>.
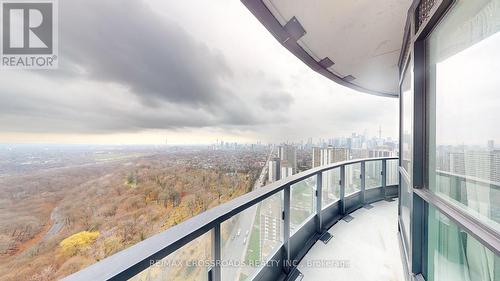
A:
<point x="405" y="207"/>
<point x="463" y="64"/>
<point x="187" y="263"/>
<point x="407" y="121"/>
<point x="373" y="174"/>
<point x="330" y="187"/>
<point x="268" y="229"/>
<point x="406" y="148"/>
<point x="454" y="255"/>
<point x="352" y="178"/>
<point x="302" y="202"/>
<point x="250" y="238"/>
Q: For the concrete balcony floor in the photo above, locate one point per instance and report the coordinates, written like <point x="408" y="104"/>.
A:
<point x="365" y="248"/>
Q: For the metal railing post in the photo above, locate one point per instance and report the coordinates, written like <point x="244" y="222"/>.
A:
<point x="215" y="272"/>
<point x="319" y="199"/>
<point x="384" y="177"/>
<point x="457" y="188"/>
<point x="286" y="228"/>
<point x="342" y="190"/>
<point x="363" y="182"/>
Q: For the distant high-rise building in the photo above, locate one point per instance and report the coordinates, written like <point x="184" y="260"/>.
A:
<point x="376" y="153"/>
<point x="359" y="153"/>
<point x="332" y="154"/>
<point x="326" y="156"/>
<point x="274" y="170"/>
<point x="288" y="153"/>
<point x="316" y="157"/>
<point x="286" y="170"/>
<point x="495" y="166"/>
<point x="491" y="145"/>
<point x="484" y="165"/>
<point x="349" y="142"/>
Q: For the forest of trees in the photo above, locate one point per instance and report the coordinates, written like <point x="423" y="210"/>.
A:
<point x="102" y="209"/>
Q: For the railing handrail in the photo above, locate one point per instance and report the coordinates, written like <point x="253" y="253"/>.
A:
<point x="136" y="258"/>
<point x="468" y="178"/>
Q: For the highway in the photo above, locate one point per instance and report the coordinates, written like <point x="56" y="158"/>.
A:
<point x="235" y="249"/>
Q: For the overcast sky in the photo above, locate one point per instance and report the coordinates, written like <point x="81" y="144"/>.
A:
<point x="193" y="71"/>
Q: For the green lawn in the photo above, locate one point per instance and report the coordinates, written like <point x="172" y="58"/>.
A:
<point x="301" y="196"/>
<point x="243" y="277"/>
<point x="253" y="251"/>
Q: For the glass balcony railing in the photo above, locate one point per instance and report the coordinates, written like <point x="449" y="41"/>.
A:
<point x="352" y="178"/>
<point x="257" y="236"/>
<point x="373" y="174"/>
<point x="330" y="187"/>
<point x="302" y="202"/>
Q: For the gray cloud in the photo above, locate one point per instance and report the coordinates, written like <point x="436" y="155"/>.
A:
<point x="276" y="101"/>
<point x="175" y="80"/>
<point x="127" y="43"/>
<point x="86" y="111"/>
<point x="127" y="68"/>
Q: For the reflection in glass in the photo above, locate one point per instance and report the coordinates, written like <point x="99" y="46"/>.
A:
<point x="331" y="187"/>
<point x="407" y="122"/>
<point x="406" y="149"/>
<point x="464" y="61"/>
<point x="270" y="227"/>
<point x="392" y="174"/>
<point x="250" y="238"/>
<point x="405" y="208"/>
<point x="454" y="255"/>
<point x="190" y="263"/>
<point x="302" y="202"/>
<point x="352" y="178"/>
<point x="373" y="174"/>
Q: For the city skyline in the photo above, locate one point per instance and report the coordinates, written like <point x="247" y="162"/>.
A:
<point x="167" y="140"/>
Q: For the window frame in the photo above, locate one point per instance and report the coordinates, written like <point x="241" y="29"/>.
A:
<point x="415" y="247"/>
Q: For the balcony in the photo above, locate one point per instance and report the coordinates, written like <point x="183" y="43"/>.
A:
<point x="274" y="232"/>
<point x="437" y="59"/>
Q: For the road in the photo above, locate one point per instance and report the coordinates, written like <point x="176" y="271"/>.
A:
<point x="235" y="249"/>
<point x="57" y="224"/>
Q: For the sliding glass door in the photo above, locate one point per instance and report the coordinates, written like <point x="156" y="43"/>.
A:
<point x="463" y="117"/>
<point x="406" y="166"/>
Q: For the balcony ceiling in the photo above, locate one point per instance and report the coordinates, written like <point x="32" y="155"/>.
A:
<point x="363" y="38"/>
